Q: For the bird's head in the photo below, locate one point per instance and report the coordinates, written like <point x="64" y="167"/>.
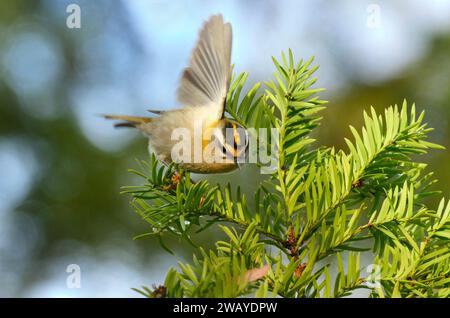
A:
<point x="234" y="141"/>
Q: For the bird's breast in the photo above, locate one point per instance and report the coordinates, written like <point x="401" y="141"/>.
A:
<point x="190" y="123"/>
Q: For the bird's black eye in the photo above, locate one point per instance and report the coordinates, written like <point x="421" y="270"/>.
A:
<point x="224" y="150"/>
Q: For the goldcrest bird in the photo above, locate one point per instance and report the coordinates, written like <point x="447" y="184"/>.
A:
<point x="202" y="92"/>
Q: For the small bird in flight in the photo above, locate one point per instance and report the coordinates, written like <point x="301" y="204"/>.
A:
<point x="202" y="91"/>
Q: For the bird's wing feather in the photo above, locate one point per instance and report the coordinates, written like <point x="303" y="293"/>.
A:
<point x="206" y="81"/>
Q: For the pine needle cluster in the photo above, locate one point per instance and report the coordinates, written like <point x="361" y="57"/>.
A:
<point x="309" y="223"/>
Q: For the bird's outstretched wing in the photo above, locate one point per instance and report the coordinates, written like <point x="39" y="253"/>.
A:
<point x="205" y="82"/>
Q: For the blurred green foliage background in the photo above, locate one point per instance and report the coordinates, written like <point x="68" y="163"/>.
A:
<point x="62" y="166"/>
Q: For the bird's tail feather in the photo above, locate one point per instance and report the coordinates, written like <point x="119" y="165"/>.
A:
<point x="128" y="121"/>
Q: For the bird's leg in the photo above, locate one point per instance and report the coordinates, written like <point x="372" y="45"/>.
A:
<point x="175" y="180"/>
